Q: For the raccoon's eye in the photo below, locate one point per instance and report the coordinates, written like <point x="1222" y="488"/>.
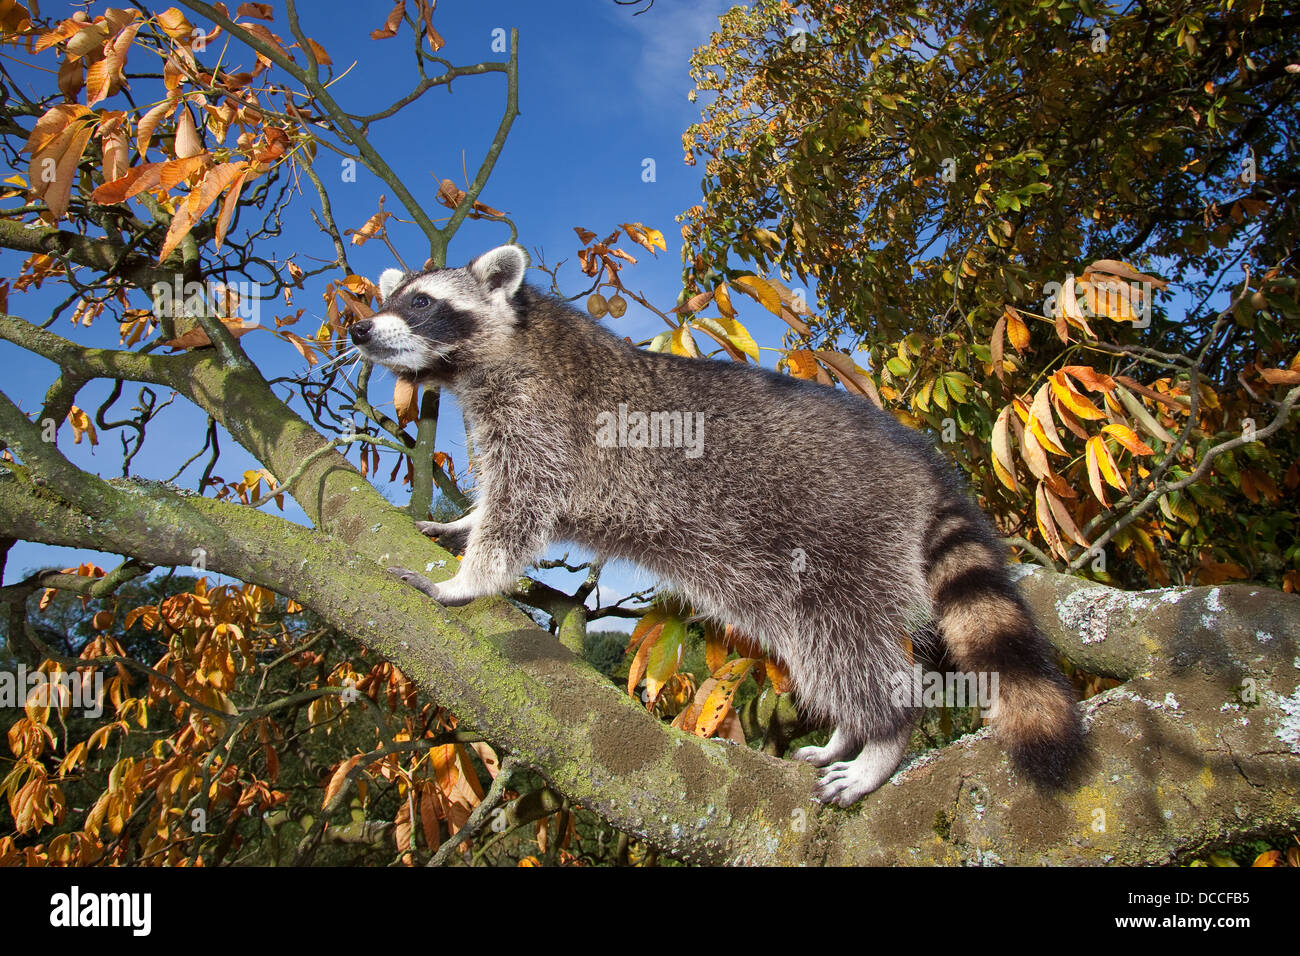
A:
<point x="421" y="301"/>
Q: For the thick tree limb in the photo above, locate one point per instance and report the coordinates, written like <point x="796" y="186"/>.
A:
<point x="1178" y="760"/>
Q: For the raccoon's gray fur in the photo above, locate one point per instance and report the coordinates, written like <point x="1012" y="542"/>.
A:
<point x="803" y="516"/>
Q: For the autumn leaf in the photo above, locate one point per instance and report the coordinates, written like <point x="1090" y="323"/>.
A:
<point x="664" y="657"/>
<point x="338" y="778"/>
<point x="1017" y="331"/>
<point x="761" y="291"/>
<point x="1090" y="378"/>
<point x="1040" y="421"/>
<point x="644" y="236"/>
<point x="173" y="23"/>
<point x="1128" y="438"/>
<point x="1124" y="271"/>
<point x="214" y="182"/>
<point x="82" y="426"/>
<point x="188" y="141"/>
<point x="1072" y="399"/>
<point x="391" y="25"/>
<point x="853" y="378"/>
<point x="259" y="11"/>
<point x="1003" y="463"/>
<point x="1064" y="519"/>
<point x="197" y="338"/>
<point x="1046" y="525"/>
<point x="1143" y="417"/>
<point x="996" y="344"/>
<point x="406" y="395"/>
<point x="57" y="143"/>
<point x="713" y="700"/>
<point x="723" y="298"/>
<point x="1280" y="376"/>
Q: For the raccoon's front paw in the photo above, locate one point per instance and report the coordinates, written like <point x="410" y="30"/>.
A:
<point x="425" y="586"/>
<point x="817" y="756"/>
<point x="451" y="538"/>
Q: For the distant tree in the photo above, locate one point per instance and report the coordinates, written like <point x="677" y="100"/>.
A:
<point x="1064" y="235"/>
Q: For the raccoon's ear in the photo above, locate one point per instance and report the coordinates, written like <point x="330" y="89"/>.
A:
<point x="502" y="268"/>
<point x="389" y="281"/>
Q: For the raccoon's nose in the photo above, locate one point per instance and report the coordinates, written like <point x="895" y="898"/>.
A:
<point x="361" y="332"/>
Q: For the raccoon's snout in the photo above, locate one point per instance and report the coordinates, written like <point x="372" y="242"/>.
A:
<point x="361" y="332"/>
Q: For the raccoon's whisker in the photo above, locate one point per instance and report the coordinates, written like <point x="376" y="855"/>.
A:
<point x="337" y="360"/>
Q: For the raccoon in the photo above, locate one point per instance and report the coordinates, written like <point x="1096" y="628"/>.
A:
<point x="803" y="516"/>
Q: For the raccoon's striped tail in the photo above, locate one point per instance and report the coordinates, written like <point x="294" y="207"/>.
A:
<point x="986" y="627"/>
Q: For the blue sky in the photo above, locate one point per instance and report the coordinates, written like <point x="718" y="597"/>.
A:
<point x="601" y="91"/>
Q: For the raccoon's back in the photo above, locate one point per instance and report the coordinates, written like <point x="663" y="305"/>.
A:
<point x="783" y="466"/>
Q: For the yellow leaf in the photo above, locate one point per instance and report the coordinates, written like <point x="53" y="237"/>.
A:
<point x="723" y="298"/>
<point x="802" y="364"/>
<point x="1107" y="464"/>
<point x="740" y="337"/>
<point x="1072" y="399"/>
<point x="683" y="343"/>
<point x="1094" y="470"/>
<point x="1040" y="421"/>
<point x="761" y="291"/>
<point x="82" y="425"/>
<point x="713" y="700"/>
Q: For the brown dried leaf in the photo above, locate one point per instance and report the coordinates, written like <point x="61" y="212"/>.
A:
<point x="391" y="25"/>
<point x="258" y="11"/>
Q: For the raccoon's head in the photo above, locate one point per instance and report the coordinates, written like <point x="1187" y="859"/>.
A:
<point x="433" y="324"/>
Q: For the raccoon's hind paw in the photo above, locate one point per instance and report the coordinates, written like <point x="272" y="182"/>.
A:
<point x="847" y="782"/>
<point x="425" y="586"/>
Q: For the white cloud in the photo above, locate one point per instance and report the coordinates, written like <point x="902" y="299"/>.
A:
<point x="667" y="34"/>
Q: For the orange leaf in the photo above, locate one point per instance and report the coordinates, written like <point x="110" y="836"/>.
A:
<point x="214" y="182"/>
<point x="1072" y="399"/>
<point x="340" y="776"/>
<point x="1017" y="331"/>
<point x="1090" y="378"/>
<point x="1129" y="439"/>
